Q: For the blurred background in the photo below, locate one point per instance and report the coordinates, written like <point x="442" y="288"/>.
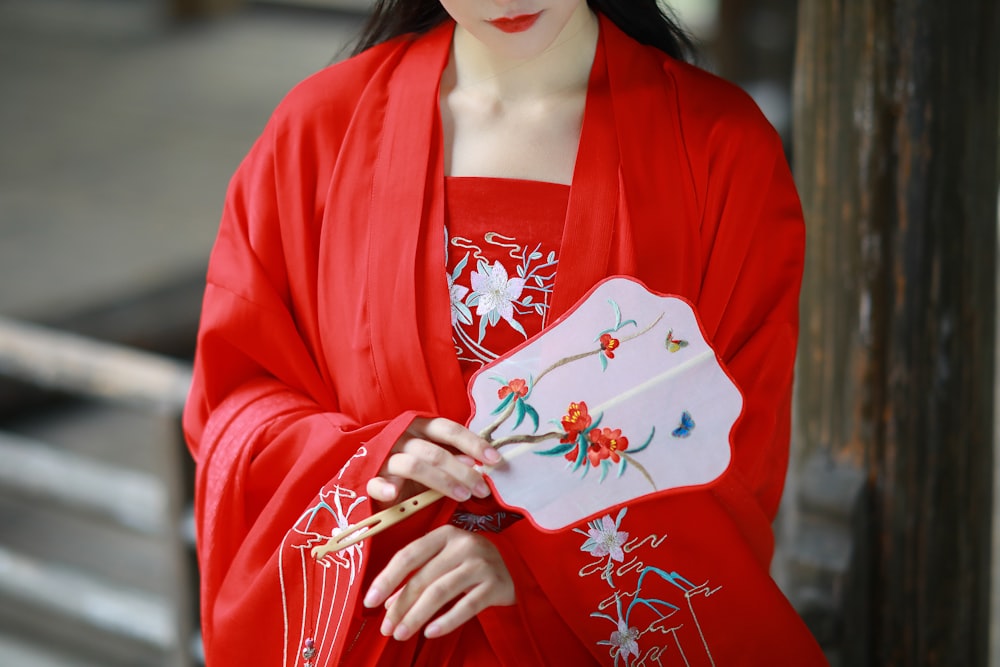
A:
<point x="121" y="122"/>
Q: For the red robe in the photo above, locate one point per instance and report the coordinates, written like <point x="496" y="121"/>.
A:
<point x="326" y="329"/>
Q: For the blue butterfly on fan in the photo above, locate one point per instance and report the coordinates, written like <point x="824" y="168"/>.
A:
<point x="687" y="425"/>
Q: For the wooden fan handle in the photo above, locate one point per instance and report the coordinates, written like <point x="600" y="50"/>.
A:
<point x="376" y="523"/>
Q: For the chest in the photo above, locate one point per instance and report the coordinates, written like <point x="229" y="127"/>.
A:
<point x="530" y="140"/>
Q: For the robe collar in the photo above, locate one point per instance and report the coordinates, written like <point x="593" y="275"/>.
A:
<point x="415" y="363"/>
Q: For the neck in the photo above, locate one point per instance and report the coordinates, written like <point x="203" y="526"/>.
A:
<point x="563" y="66"/>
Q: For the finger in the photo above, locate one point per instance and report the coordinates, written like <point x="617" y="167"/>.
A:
<point x="408" y="559"/>
<point x="382" y="489"/>
<point x="434" y="467"/>
<point x="467" y="607"/>
<point x="453" y="434"/>
<point x="420" y="600"/>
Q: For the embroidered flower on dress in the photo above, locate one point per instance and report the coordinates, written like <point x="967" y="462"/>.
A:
<point x="625" y="640"/>
<point x="516" y="386"/>
<point x="604" y="538"/>
<point x="494" y="293"/>
<point x="459" y="311"/>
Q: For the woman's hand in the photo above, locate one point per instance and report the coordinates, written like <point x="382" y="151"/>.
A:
<point x="448" y="564"/>
<point x="434" y="454"/>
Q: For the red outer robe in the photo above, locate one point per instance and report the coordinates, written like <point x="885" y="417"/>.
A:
<point x="326" y="329"/>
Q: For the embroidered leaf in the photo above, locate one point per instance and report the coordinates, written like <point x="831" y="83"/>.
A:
<point x="618" y="313"/>
<point x="516" y="326"/>
<point x="533" y="414"/>
<point x="531" y="385"/>
<point x="581" y="454"/>
<point x="504" y="403"/>
<point x="482" y="328"/>
<point x="622" y="464"/>
<point x="473" y="299"/>
<point x="605" y="466"/>
<point x="645" y="444"/>
<point x="626" y="322"/>
<point x="526" y="301"/>
<point x="535" y="255"/>
<point x="520" y="271"/>
<point x="519" y="410"/>
<point x="463" y="312"/>
<point x="558" y="450"/>
<point x="494" y="317"/>
<point x="460" y="267"/>
<point x="604" y="362"/>
<point x="552" y="257"/>
<point x="539" y="281"/>
<point x="648" y="602"/>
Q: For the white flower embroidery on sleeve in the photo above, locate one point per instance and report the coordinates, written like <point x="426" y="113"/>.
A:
<point x="604" y="538"/>
<point x="625" y="640"/>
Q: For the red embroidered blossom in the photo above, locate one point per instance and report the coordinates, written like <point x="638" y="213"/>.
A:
<point x="576" y="421"/>
<point x="606" y="443"/>
<point x="608" y="345"/>
<point x="516" y="386"/>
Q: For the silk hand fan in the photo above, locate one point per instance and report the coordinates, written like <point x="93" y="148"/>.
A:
<point x="620" y="399"/>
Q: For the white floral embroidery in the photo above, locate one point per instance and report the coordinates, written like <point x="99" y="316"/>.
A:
<point x="625" y="640"/>
<point x="493" y="295"/>
<point x="604" y="538"/>
<point x="647" y="605"/>
<point x="329" y="515"/>
<point x="459" y="311"/>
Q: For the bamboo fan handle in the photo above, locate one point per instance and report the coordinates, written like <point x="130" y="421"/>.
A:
<point x="376" y="523"/>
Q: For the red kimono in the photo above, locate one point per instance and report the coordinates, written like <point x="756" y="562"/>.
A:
<point x="326" y="329"/>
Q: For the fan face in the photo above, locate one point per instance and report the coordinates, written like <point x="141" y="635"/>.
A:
<point x="620" y="399"/>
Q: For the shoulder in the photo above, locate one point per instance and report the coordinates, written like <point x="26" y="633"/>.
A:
<point x="716" y="115"/>
<point x="325" y="101"/>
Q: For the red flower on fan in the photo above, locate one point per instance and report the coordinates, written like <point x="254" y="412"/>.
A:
<point x="516" y="386"/>
<point x="575" y="421"/>
<point x="609" y="345"/>
<point x="606" y="443"/>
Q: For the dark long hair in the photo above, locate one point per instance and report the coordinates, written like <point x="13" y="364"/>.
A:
<point x="643" y="20"/>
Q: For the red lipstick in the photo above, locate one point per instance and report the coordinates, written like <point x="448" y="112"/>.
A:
<point x="515" y="23"/>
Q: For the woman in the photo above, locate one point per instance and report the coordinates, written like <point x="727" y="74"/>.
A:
<point x="389" y="196"/>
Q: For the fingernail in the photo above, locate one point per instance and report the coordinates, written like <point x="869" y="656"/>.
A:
<point x="482" y="490"/>
<point x="372" y="597"/>
<point x="461" y="493"/>
<point x="402" y="633"/>
<point x="491" y="455"/>
<point x="386" y="628"/>
<point x="432" y="631"/>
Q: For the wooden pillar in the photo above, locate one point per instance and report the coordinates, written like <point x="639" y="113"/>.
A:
<point x="895" y="147"/>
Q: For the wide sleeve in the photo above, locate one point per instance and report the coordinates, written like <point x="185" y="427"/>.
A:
<point x="753" y="239"/>
<point x="262" y="422"/>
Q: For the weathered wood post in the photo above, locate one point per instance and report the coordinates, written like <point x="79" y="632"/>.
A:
<point x="895" y="150"/>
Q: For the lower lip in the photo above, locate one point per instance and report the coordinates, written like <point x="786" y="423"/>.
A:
<point x="517" y="23"/>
